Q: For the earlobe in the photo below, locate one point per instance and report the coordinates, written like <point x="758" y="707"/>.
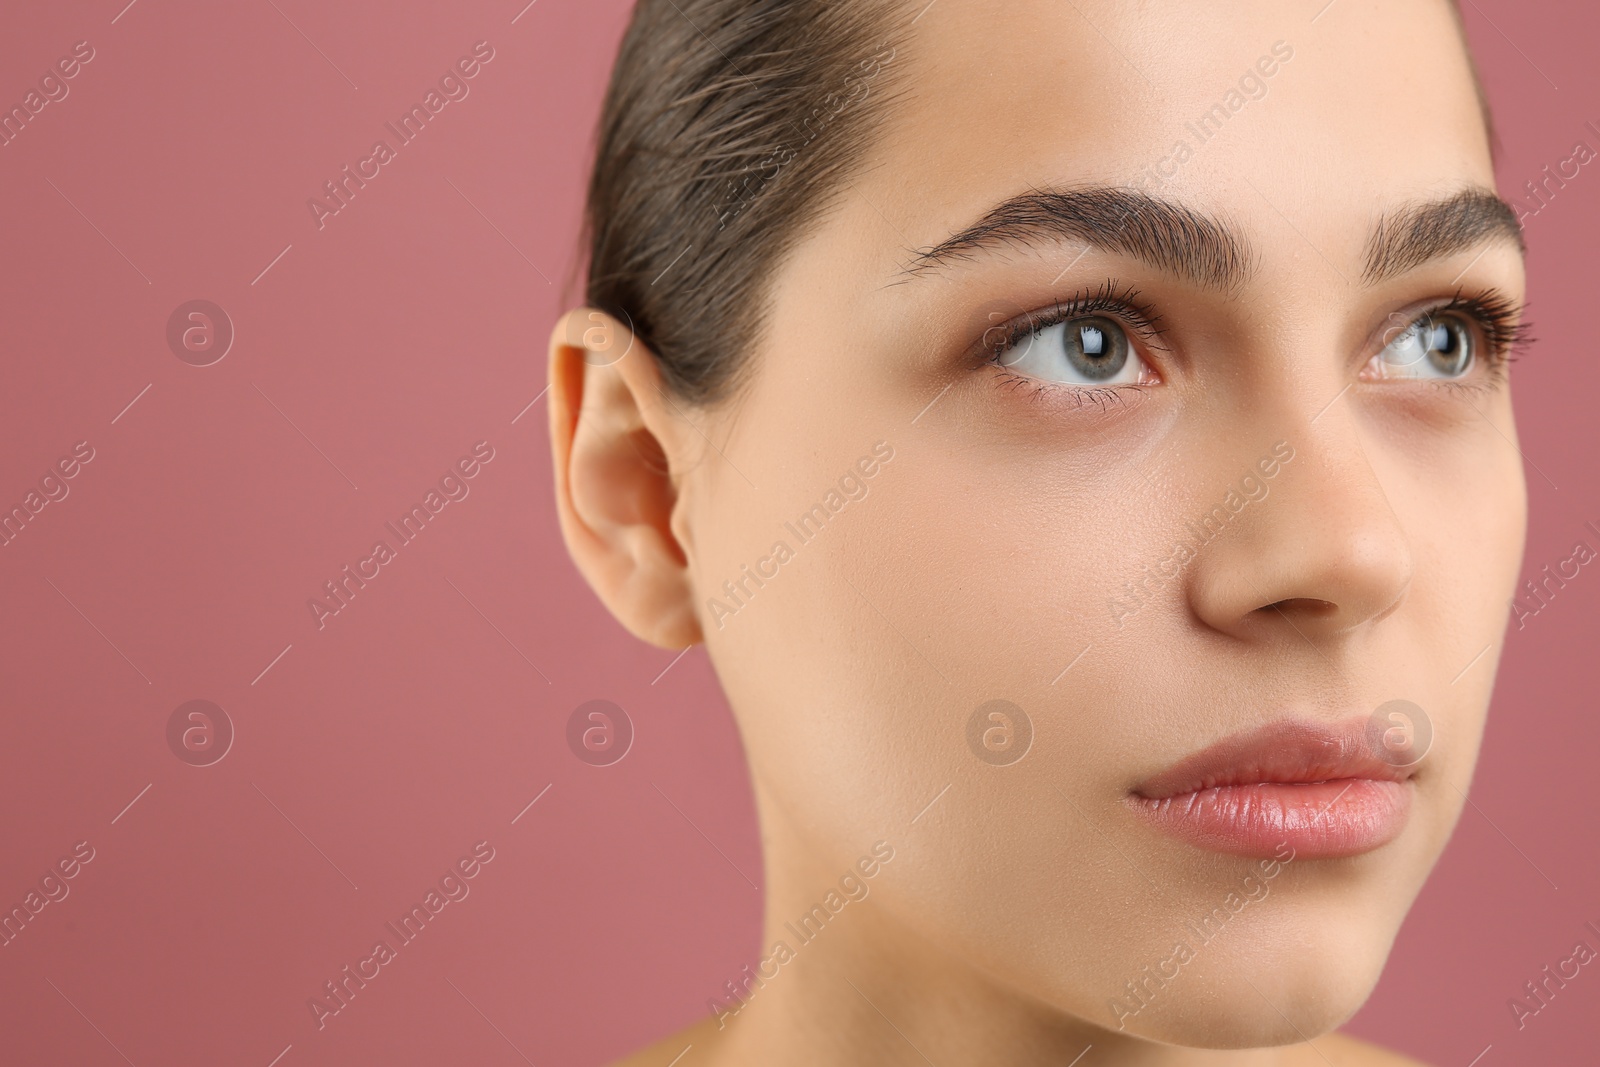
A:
<point x="617" y="460"/>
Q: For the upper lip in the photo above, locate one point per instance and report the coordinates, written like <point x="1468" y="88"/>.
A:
<point x="1288" y="751"/>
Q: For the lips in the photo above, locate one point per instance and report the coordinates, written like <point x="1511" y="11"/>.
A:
<point x="1316" y="787"/>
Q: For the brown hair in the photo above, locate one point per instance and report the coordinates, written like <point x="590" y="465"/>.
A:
<point x="726" y="128"/>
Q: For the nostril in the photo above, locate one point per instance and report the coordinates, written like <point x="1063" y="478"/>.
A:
<point x="1303" y="605"/>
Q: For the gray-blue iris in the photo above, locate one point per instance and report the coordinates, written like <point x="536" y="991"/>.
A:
<point x="1097" y="348"/>
<point x="1449" y="345"/>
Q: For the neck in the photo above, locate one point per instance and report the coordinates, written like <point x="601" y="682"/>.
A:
<point x="842" y="978"/>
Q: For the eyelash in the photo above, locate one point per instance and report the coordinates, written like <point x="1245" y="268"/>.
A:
<point x="1118" y="301"/>
<point x="1497" y="316"/>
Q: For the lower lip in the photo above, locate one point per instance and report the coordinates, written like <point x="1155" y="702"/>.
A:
<point x="1318" y="820"/>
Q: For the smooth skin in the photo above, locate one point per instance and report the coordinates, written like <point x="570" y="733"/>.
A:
<point x="988" y="556"/>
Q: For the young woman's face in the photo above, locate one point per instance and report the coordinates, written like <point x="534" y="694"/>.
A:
<point x="1244" y="483"/>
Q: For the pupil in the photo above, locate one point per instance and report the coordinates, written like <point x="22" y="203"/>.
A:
<point x="1092" y="341"/>
<point x="1447" y="347"/>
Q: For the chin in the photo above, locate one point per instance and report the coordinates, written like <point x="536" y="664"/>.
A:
<point x="1298" y="974"/>
<point x="1229" y="1014"/>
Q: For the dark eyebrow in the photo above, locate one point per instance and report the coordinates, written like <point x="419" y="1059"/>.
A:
<point x="1169" y="236"/>
<point x="1414" y="234"/>
<point x="1191" y="245"/>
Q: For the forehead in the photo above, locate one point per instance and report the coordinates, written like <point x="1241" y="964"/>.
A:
<point x="1250" y="109"/>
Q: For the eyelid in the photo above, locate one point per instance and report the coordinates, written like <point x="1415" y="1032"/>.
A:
<point x="1496" y="316"/>
<point x="1110" y="299"/>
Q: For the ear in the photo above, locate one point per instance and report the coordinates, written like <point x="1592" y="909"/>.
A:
<point x="618" y="457"/>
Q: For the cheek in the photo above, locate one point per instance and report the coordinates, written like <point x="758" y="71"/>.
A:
<point x="1462" y="500"/>
<point x="1465" y="507"/>
<point x="948" y="585"/>
<point x="857" y="671"/>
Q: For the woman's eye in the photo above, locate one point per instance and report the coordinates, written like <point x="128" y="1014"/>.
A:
<point x="1438" y="345"/>
<point x="1090" y="350"/>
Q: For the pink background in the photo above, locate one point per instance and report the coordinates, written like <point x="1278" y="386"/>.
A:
<point x="370" y="755"/>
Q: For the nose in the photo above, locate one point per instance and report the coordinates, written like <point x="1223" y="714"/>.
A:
<point x="1322" y="553"/>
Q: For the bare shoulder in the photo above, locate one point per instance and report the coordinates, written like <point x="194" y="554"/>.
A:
<point x="690" y="1047"/>
<point x="693" y="1047"/>
<point x="1347" y="1051"/>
